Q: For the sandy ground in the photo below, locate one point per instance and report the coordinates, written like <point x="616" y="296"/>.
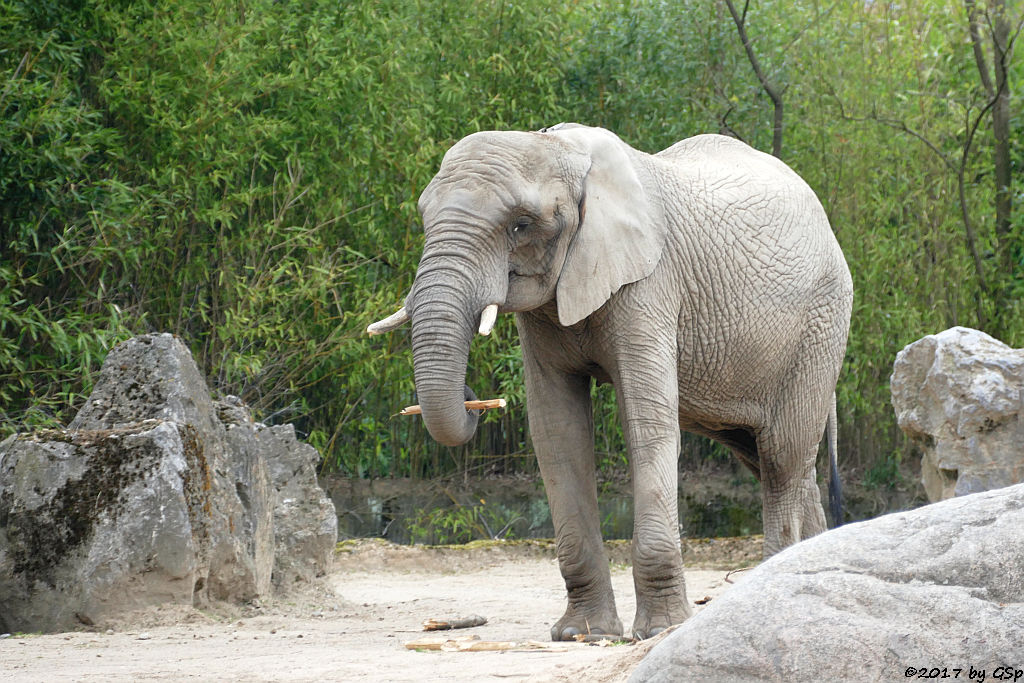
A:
<point x="354" y="625"/>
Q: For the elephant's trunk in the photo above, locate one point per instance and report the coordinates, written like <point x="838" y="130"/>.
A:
<point x="442" y="329"/>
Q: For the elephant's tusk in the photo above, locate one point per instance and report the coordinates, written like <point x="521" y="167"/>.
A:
<point x="392" y="322"/>
<point x="487" y="319"/>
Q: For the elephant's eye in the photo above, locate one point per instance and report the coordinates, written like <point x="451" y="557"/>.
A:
<point x="522" y="223"/>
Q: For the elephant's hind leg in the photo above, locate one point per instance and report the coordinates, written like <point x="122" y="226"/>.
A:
<point x="743" y="445"/>
<point x="813" y="520"/>
<point x="791" y="501"/>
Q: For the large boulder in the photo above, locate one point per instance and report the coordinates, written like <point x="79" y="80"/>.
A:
<point x="153" y="494"/>
<point x="959" y="395"/>
<point x="97" y="522"/>
<point x="155" y="377"/>
<point x="937" y="588"/>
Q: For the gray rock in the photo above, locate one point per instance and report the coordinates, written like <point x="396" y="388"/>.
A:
<point x="938" y="587"/>
<point x="97" y="522"/>
<point x="244" y="570"/>
<point x="305" y="519"/>
<point x="154" y="495"/>
<point x="958" y="395"/>
<point x="152" y="376"/>
<point x="155" y="377"/>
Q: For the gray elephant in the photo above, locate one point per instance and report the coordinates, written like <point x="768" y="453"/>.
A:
<point x="703" y="282"/>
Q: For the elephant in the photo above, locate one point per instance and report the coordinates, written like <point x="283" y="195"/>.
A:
<point x="704" y="282"/>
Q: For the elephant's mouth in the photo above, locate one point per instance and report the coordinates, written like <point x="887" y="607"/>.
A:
<point x="524" y="271"/>
<point x="521" y="280"/>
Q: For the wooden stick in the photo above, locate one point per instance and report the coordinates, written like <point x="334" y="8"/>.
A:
<point x="470" y="405"/>
<point x="457" y="622"/>
<point x="474" y="644"/>
<point x="479" y="646"/>
<point x="435" y="642"/>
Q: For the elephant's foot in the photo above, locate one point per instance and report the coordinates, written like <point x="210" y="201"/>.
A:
<point x="655" y="615"/>
<point x="602" y="621"/>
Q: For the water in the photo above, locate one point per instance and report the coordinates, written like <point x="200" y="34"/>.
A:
<point x="431" y="512"/>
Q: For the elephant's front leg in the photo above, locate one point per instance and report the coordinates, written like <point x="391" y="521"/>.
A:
<point x="563" y="436"/>
<point x="648" y="406"/>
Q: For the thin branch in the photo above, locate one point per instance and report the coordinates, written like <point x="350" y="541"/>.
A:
<point x="996" y="85"/>
<point x="979" y="52"/>
<point x="891" y="123"/>
<point x="724" y="127"/>
<point x="959" y="169"/>
<point x="768" y="86"/>
<point x="813" y="22"/>
<point x="972" y="241"/>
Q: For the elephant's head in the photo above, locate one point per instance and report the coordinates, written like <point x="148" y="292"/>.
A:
<point x="514" y="220"/>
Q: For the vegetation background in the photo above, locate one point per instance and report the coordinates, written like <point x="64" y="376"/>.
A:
<point x="244" y="174"/>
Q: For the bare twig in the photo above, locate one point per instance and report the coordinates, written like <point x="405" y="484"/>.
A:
<point x="735" y="571"/>
<point x="958" y="168"/>
<point x="976" y="45"/>
<point x="474" y="644"/>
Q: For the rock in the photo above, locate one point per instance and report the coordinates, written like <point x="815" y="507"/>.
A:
<point x="155" y="377"/>
<point x="958" y="395"/>
<point x="153" y="495"/>
<point x="305" y="516"/>
<point x="937" y="587"/>
<point x="97" y="522"/>
<point x="305" y="519"/>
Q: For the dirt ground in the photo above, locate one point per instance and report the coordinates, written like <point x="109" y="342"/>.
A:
<point x="355" y="623"/>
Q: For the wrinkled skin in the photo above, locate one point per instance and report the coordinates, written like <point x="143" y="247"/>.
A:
<point x="704" y="282"/>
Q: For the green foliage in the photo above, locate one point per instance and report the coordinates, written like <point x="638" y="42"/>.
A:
<point x="63" y="219"/>
<point x="884" y="473"/>
<point x="245" y="175"/>
<point x="462" y="523"/>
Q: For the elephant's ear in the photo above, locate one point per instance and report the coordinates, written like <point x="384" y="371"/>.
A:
<point x="619" y="239"/>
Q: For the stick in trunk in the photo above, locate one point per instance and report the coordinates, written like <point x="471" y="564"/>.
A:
<point x="470" y="405"/>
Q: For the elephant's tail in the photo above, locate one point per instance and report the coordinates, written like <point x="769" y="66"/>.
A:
<point x="835" y="487"/>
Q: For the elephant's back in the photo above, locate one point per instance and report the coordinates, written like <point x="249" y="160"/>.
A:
<point x="710" y="149"/>
<point x="722" y="163"/>
<point x="742" y="205"/>
<point x="702" y="145"/>
<point x="754" y="227"/>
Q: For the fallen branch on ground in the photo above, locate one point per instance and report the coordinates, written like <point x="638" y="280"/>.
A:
<point x="458" y="622"/>
<point x="470" y="405"/>
<point x="474" y="644"/>
<point x="733" y="571"/>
